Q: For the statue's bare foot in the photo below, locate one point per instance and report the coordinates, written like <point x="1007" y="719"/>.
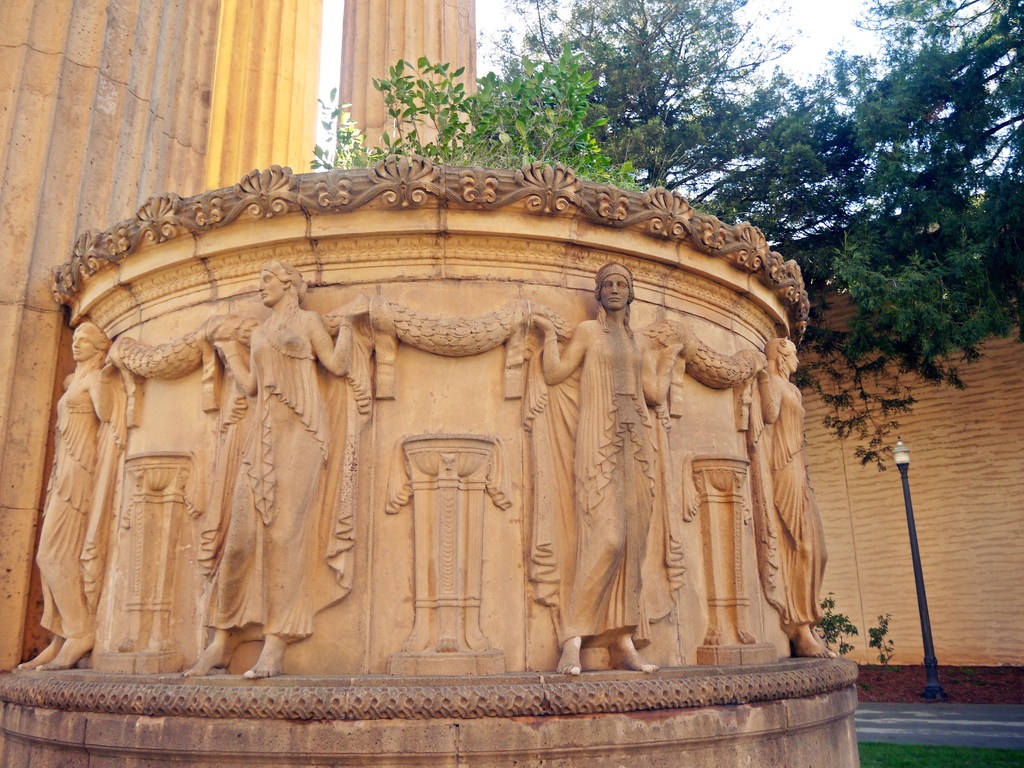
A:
<point x="48" y="654"/>
<point x="217" y="654"/>
<point x="71" y="652"/>
<point x="624" y="656"/>
<point x="271" y="660"/>
<point x="807" y="645"/>
<point x="569" y="664"/>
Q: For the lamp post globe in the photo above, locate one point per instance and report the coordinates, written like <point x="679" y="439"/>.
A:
<point x="901" y="454"/>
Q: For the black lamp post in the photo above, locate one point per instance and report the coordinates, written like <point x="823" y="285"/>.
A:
<point x="932" y="689"/>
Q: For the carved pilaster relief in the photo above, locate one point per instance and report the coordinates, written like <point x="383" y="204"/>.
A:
<point x="721" y="485"/>
<point x="151" y="518"/>
<point x="447" y="478"/>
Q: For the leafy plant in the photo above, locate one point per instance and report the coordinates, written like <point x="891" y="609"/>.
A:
<point x="880" y="640"/>
<point x="537" y="115"/>
<point x="429" y="110"/>
<point x="835" y="627"/>
<point x="896" y="180"/>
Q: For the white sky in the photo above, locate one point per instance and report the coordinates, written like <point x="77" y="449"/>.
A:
<point x="818" y="26"/>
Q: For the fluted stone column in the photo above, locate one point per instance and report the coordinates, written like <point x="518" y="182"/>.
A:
<point x="264" y="97"/>
<point x="103" y="103"/>
<point x="379" y="33"/>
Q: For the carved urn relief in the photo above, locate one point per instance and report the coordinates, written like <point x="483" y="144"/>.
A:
<point x="448" y="480"/>
<point x="731" y="638"/>
<point x="152" y="516"/>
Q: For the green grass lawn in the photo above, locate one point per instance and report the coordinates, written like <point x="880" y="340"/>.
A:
<point x="878" y="755"/>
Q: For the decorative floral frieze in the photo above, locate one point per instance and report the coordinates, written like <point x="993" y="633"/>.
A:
<point x="657" y="211"/>
<point x="416" y="182"/>
<point x="334" y="190"/>
<point x="158" y="219"/>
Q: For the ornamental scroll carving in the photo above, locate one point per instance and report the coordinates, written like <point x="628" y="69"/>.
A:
<point x="470" y="697"/>
<point x="414" y="182"/>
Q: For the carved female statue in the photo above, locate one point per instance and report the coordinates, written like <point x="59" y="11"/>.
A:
<point x="90" y="436"/>
<point x="614" y="476"/>
<point x="791" y="544"/>
<point x="262" y="585"/>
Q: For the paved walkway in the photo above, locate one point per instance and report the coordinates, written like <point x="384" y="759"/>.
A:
<point x="956" y="725"/>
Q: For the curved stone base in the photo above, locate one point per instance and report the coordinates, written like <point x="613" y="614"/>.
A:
<point x="98" y="728"/>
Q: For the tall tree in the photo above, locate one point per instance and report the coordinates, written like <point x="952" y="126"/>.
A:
<point x="933" y="263"/>
<point x="896" y="181"/>
<point x="672" y="76"/>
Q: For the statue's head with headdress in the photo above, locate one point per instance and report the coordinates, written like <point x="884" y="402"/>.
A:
<point x="781" y="354"/>
<point x="609" y="269"/>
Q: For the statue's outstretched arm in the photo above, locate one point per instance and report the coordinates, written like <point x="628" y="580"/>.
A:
<point x="224" y="336"/>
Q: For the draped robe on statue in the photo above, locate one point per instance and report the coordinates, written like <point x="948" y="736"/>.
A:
<point x="291" y="497"/>
<point x="791" y="542"/>
<point x="599" y="495"/>
<point x="80" y="497"/>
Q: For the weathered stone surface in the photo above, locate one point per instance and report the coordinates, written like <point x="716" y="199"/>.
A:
<point x="426" y="698"/>
<point x="87" y="132"/>
<point x="749" y="723"/>
<point x="415" y="184"/>
<point x="253" y="497"/>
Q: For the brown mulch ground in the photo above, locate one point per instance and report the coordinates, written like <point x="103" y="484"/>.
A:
<point x="964" y="685"/>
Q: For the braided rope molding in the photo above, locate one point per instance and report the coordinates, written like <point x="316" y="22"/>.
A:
<point x="415" y="699"/>
<point x="415" y="182"/>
